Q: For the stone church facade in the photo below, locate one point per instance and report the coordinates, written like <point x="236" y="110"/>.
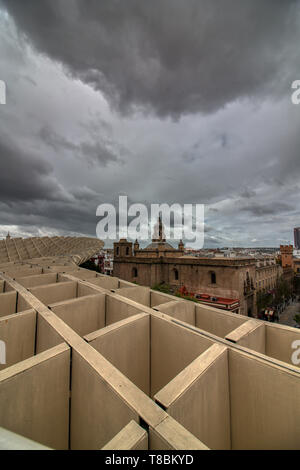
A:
<point x="160" y="263"/>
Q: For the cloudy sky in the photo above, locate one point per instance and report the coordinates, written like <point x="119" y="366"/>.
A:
<point x="164" y="101"/>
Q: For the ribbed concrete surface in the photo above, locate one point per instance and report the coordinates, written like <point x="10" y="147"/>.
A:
<point x="79" y="249"/>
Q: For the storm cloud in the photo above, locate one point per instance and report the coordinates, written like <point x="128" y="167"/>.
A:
<point x="164" y="101"/>
<point x="93" y="152"/>
<point x="168" y="56"/>
<point x="25" y="176"/>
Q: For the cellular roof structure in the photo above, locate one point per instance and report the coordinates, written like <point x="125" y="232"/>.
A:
<point x="94" y="362"/>
<point x="79" y="249"/>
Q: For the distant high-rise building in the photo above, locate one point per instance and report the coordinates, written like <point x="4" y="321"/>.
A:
<point x="297" y="238"/>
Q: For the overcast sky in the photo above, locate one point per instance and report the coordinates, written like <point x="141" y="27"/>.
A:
<point x="165" y="101"/>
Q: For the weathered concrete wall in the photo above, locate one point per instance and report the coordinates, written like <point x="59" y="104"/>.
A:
<point x="1" y="286"/>
<point x="123" y="283"/>
<point x="171" y="435"/>
<point x="279" y="341"/>
<point x="84" y="314"/>
<point x="85" y="290"/>
<point x="138" y="294"/>
<point x="46" y="336"/>
<point x="63" y="277"/>
<point x="8" y="303"/>
<point x="37" y="280"/>
<point x="22" y="272"/>
<point x="104" y="400"/>
<point x="198" y="398"/>
<point x="172" y="349"/>
<point x="34" y="398"/>
<point x="18" y="333"/>
<point x="97" y="412"/>
<point x="7" y="287"/>
<point x="62" y="269"/>
<point x="22" y="304"/>
<point x="132" y="437"/>
<point x="251" y="335"/>
<point x="216" y="321"/>
<point x="126" y="345"/>
<point x="11" y="303"/>
<point x="184" y="311"/>
<point x="117" y="310"/>
<point x="265" y="404"/>
<point x="106" y="282"/>
<point x="55" y="292"/>
<point x="84" y="274"/>
<point x="158" y="299"/>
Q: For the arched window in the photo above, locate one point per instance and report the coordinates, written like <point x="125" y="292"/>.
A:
<point x="134" y="272"/>
<point x="127" y="250"/>
<point x="213" y="277"/>
<point x="176" y="274"/>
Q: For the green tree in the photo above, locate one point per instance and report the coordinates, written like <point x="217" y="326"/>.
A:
<point x="297" y="284"/>
<point x="282" y="291"/>
<point x="89" y="264"/>
<point x="164" y="288"/>
<point x="263" y="300"/>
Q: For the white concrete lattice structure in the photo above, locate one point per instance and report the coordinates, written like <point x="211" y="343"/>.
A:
<point x="95" y="362"/>
<point x="80" y="249"/>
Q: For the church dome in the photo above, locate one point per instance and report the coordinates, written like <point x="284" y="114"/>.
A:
<point x="161" y="246"/>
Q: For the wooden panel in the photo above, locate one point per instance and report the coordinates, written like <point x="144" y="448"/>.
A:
<point x="138" y="294"/>
<point x="183" y="311"/>
<point x="55" y="292"/>
<point x="34" y="397"/>
<point x="132" y="437"/>
<point x="170" y="435"/>
<point x="251" y="335"/>
<point x="17" y="331"/>
<point x="265" y="404"/>
<point x="34" y="281"/>
<point x="116" y="310"/>
<point x="46" y="336"/>
<point x="8" y="303"/>
<point x="84" y="314"/>
<point x="126" y="345"/>
<point x="97" y="412"/>
<point x="216" y="321"/>
<point x="279" y="341"/>
<point x="173" y="347"/>
<point x="198" y="398"/>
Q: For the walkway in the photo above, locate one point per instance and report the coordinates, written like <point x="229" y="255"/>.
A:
<point x="287" y="317"/>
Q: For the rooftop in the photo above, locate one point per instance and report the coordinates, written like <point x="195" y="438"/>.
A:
<point x="148" y="370"/>
<point x="161" y="246"/>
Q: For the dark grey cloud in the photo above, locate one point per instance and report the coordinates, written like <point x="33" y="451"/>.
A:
<point x="248" y="194"/>
<point x="59" y="216"/>
<point x="85" y="194"/>
<point x="25" y="176"/>
<point x="222" y="74"/>
<point x="98" y="152"/>
<point x="169" y="56"/>
<point x="261" y="210"/>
